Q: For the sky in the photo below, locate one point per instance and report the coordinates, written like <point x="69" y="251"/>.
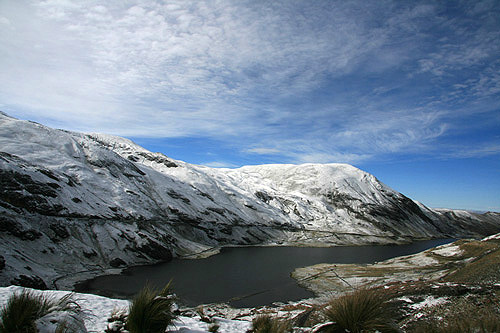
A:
<point x="406" y="90"/>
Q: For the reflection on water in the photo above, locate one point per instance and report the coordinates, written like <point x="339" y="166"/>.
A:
<point x="235" y="272"/>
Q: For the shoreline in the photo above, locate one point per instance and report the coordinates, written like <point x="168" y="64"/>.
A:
<point x="81" y="283"/>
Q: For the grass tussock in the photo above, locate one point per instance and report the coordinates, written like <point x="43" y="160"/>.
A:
<point x="268" y="324"/>
<point x="151" y="311"/>
<point x="23" y="309"/>
<point x="361" y="311"/>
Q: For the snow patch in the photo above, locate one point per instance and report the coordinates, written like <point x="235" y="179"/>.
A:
<point x="405" y="299"/>
<point x="495" y="236"/>
<point x="422" y="260"/>
<point x="428" y="302"/>
<point x="188" y="324"/>
<point x="448" y="251"/>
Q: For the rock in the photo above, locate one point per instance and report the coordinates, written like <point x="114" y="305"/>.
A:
<point x="115" y="326"/>
<point x="117" y="262"/>
<point x="156" y="251"/>
<point x="263" y="196"/>
<point x="89" y="254"/>
<point x="15" y="229"/>
<point x="60" y="232"/>
<point x="2" y="263"/>
<point x="33" y="281"/>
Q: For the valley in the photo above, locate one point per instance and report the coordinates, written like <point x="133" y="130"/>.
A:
<point x="74" y="206"/>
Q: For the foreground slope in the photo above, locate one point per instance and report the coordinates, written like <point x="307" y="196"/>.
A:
<point x="82" y="203"/>
<point x="436" y="290"/>
<point x="432" y="291"/>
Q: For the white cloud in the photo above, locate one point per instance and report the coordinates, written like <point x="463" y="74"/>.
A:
<point x="470" y="151"/>
<point x="263" y="151"/>
<point x="219" y="164"/>
<point x="187" y="59"/>
<point x="241" y="70"/>
<point x="330" y="158"/>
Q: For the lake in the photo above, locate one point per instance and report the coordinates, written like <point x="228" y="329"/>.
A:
<point x="262" y="272"/>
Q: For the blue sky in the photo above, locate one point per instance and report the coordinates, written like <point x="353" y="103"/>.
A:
<point x="406" y="90"/>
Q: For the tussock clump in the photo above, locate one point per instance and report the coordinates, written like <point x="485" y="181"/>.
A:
<point x="22" y="310"/>
<point x="268" y="324"/>
<point x="151" y="311"/>
<point x="361" y="311"/>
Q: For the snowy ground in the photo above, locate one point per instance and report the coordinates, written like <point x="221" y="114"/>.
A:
<point x="448" y="251"/>
<point x="99" y="309"/>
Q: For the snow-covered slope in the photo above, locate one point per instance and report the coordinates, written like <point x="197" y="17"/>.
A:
<point x="82" y="203"/>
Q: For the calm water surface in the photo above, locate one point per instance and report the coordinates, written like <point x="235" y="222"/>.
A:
<point x="237" y="272"/>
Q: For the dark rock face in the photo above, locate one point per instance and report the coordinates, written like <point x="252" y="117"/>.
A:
<point x="217" y="210"/>
<point x="206" y="195"/>
<point x="263" y="196"/>
<point x="158" y="159"/>
<point x="179" y="196"/>
<point x="13" y="228"/>
<point x="89" y="254"/>
<point x="2" y="263"/>
<point x="33" y="281"/>
<point x="155" y="251"/>
<point x="21" y="191"/>
<point x="117" y="262"/>
<point x="60" y="232"/>
<point x="133" y="158"/>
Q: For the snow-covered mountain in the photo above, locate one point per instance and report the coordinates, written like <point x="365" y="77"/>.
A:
<point x="73" y="205"/>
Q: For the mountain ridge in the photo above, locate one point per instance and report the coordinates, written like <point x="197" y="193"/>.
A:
<point x="76" y="202"/>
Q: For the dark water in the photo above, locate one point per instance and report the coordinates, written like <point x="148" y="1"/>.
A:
<point x="237" y="272"/>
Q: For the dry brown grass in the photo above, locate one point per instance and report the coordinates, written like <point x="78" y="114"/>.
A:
<point x="482" y="321"/>
<point x="484" y="269"/>
<point x="476" y="248"/>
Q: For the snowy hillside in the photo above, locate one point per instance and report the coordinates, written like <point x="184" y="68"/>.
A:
<point x="73" y="202"/>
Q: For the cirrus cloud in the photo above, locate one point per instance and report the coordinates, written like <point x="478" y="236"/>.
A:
<point x="303" y="81"/>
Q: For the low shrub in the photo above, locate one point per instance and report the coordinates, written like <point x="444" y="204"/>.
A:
<point x="151" y="311"/>
<point x="361" y="311"/>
